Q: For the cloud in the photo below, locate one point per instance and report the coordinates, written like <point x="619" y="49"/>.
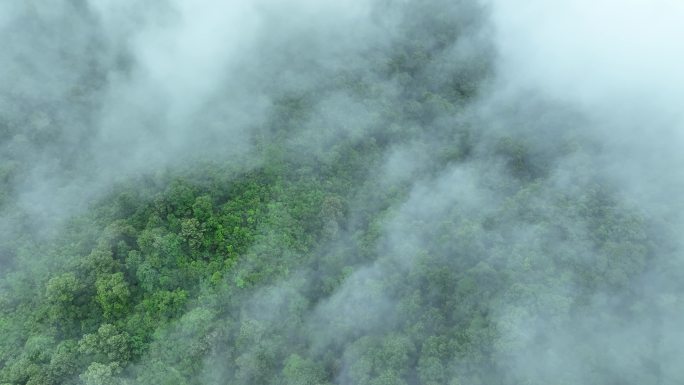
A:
<point x="496" y="166"/>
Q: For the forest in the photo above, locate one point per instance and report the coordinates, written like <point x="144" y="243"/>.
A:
<point x="314" y="193"/>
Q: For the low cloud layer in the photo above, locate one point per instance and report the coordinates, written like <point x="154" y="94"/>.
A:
<point x="522" y="197"/>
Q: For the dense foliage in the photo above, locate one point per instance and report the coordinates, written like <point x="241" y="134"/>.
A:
<point x="313" y="266"/>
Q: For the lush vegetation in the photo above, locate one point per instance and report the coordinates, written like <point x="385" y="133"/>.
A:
<point x="312" y="266"/>
<point x="190" y="279"/>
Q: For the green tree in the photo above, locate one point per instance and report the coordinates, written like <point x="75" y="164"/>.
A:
<point x="61" y="292"/>
<point x="113" y="295"/>
<point x="301" y="371"/>
<point x="101" y="374"/>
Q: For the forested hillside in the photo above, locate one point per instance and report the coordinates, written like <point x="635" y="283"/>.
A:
<point x="312" y="194"/>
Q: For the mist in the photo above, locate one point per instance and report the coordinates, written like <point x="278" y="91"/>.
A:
<point x="315" y="192"/>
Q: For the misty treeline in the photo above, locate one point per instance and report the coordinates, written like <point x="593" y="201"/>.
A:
<point x="344" y="203"/>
